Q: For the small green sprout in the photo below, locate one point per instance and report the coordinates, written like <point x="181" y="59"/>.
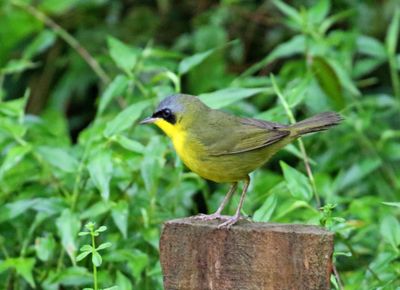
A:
<point x="327" y="220"/>
<point x="92" y="249"/>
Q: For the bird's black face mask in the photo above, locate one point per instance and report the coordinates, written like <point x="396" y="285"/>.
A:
<point x="165" y="114"/>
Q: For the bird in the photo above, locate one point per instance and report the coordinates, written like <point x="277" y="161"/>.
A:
<point x="225" y="148"/>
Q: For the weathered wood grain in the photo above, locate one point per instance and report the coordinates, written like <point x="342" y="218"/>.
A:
<point x="196" y="255"/>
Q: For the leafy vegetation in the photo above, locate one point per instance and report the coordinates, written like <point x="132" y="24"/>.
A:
<point x="76" y="76"/>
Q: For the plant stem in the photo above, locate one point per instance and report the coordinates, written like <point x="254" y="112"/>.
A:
<point x="4" y="250"/>
<point x="292" y="120"/>
<point x="60" y="260"/>
<point x="394" y="75"/>
<point x="94" y="266"/>
<point x="337" y="277"/>
<point x="391" y="41"/>
<point x="68" y="38"/>
<point x="78" y="178"/>
<point x="28" y="237"/>
<point x="1" y="86"/>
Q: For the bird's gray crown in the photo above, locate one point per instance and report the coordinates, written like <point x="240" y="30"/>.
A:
<point x="178" y="102"/>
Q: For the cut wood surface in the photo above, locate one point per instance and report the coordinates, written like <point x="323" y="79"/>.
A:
<point x="197" y="255"/>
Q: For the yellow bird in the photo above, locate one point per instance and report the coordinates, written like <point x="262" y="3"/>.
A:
<point x="225" y="148"/>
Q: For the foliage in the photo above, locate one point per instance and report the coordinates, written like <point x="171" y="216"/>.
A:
<point x="77" y="76"/>
<point x="93" y="250"/>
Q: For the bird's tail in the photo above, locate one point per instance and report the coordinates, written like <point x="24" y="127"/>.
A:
<point x="317" y="123"/>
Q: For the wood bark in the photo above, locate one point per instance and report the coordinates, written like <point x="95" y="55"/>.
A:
<point x="197" y="255"/>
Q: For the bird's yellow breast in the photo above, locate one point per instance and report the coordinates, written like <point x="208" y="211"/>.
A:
<point x="188" y="149"/>
<point x="176" y="133"/>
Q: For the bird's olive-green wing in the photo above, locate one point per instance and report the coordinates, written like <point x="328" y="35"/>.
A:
<point x="232" y="135"/>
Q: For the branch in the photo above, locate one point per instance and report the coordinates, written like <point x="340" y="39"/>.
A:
<point x="67" y="37"/>
<point x="292" y="120"/>
<point x="337" y="277"/>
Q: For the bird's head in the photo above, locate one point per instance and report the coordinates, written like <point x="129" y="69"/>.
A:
<point x="176" y="113"/>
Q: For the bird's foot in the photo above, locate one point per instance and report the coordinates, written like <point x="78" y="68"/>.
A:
<point x="210" y="217"/>
<point x="230" y="221"/>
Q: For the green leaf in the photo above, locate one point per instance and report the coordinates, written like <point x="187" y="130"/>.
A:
<point x="392" y="36"/>
<point x="357" y="172"/>
<point x="57" y="7"/>
<point x="86" y="248"/>
<point x="390" y="231"/>
<point x="48" y="206"/>
<point x="96" y="259"/>
<point x="366" y="66"/>
<point x="296" y="90"/>
<point x="42" y="41"/>
<point x="12" y="128"/>
<point x="346" y="254"/>
<point x="289" y="11"/>
<point x="331" y="20"/>
<point x="100" y="171"/>
<point x="125" y="119"/>
<point x="13" y="157"/>
<point x="124" y="56"/>
<point x="103" y="246"/>
<point x="17" y="66"/>
<point x="69" y="278"/>
<point x="152" y="164"/>
<point x="82" y="256"/>
<point x="90" y="226"/>
<point x="23" y="266"/>
<point x="44" y="247"/>
<point x="169" y="75"/>
<point x="319" y="11"/>
<point x="14" y="209"/>
<point x="120" y="213"/>
<point x="293" y="206"/>
<point x="101" y="229"/>
<point x="111" y="288"/>
<point x="298" y="184"/>
<point x="13" y="108"/>
<point x="328" y="81"/>
<point x="59" y="158"/>
<point x="114" y="89"/>
<point x="190" y="62"/>
<point x="370" y="46"/>
<point x="137" y="263"/>
<point x="293" y="46"/>
<point x="96" y="209"/>
<point x="128" y="144"/>
<point x="296" y="152"/>
<point x="123" y="282"/>
<point x="395" y="204"/>
<point x="68" y="226"/>
<point x="264" y="213"/>
<point x="225" y="97"/>
<point x="344" y="77"/>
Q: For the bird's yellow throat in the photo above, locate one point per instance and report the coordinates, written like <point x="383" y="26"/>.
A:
<point x="175" y="132"/>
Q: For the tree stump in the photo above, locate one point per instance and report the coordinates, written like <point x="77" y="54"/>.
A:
<point x="196" y="255"/>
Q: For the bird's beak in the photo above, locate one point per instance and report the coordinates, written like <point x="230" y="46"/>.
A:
<point x="148" y="120"/>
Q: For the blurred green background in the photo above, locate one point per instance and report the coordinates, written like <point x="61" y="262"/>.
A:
<point x="77" y="76"/>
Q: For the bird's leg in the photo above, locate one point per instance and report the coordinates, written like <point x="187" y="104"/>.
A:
<point x="234" y="219"/>
<point x="217" y="214"/>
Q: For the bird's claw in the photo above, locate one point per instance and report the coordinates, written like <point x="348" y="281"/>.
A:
<point x="210" y="217"/>
<point x="230" y="222"/>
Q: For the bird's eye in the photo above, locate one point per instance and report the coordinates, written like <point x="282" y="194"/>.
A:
<point x="166" y="113"/>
